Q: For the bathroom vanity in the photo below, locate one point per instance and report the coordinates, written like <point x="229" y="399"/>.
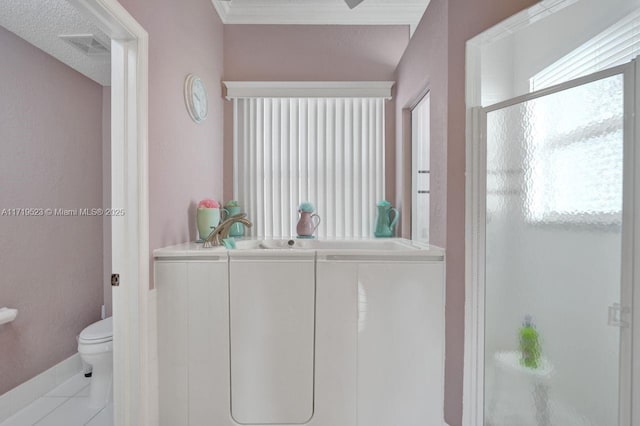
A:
<point x="324" y="333"/>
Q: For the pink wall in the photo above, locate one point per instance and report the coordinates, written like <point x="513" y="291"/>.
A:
<point x="185" y="158"/>
<point x="436" y="48"/>
<point x="424" y="67"/>
<point x="312" y="53"/>
<point x="50" y="132"/>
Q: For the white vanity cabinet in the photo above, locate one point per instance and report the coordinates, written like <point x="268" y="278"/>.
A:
<point x="314" y="337"/>
<point x="398" y="362"/>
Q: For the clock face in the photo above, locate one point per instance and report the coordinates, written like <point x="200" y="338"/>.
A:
<point x="196" y="98"/>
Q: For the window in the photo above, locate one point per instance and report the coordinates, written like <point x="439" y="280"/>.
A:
<point x="328" y="151"/>
<point x="617" y="45"/>
<point x="576" y="144"/>
<point x="579" y="137"/>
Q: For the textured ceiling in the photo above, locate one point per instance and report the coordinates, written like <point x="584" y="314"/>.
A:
<point x="369" y="12"/>
<point x="40" y="22"/>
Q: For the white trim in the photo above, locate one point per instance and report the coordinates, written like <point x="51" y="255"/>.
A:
<point x="394" y="12"/>
<point x="629" y="240"/>
<point x="634" y="297"/>
<point x="134" y="403"/>
<point x="472" y="391"/>
<point x="26" y="393"/>
<point x="519" y="21"/>
<point x="473" y="386"/>
<point x="308" y="89"/>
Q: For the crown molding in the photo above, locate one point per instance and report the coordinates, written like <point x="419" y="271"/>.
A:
<point x="308" y="89"/>
<point x="321" y="13"/>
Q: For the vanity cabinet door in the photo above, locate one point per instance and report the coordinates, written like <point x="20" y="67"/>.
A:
<point x="336" y="344"/>
<point x="193" y="336"/>
<point x="272" y="321"/>
<point x="400" y="344"/>
<point x="173" y="374"/>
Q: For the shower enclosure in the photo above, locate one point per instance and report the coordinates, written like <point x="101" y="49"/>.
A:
<point x="556" y="197"/>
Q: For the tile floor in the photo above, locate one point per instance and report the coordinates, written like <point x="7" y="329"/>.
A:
<point x="66" y="405"/>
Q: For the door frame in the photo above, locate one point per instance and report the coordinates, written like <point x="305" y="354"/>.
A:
<point x="133" y="403"/>
<point x="475" y="239"/>
<point x="424" y="97"/>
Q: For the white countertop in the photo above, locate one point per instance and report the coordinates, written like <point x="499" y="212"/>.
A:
<point x="329" y="249"/>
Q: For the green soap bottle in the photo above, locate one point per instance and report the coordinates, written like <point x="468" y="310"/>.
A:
<point x="529" y="344"/>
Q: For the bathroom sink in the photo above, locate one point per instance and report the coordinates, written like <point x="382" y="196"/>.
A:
<point x="335" y="245"/>
<point x="248" y="244"/>
<point x="280" y="244"/>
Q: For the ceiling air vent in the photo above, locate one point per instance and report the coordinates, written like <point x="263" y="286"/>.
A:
<point x="87" y="44"/>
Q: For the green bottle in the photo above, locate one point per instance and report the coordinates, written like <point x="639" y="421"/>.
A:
<point x="529" y="344"/>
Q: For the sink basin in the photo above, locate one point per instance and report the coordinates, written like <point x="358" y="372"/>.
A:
<point x="248" y="244"/>
<point x="335" y="245"/>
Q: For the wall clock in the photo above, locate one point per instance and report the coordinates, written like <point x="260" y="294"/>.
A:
<point x="195" y="96"/>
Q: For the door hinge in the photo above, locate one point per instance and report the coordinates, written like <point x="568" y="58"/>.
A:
<point x="115" y="280"/>
<point x="615" y="313"/>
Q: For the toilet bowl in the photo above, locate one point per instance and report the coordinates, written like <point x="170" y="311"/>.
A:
<point x="95" y="346"/>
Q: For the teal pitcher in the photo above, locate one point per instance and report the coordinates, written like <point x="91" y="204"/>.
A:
<point x="384" y="223"/>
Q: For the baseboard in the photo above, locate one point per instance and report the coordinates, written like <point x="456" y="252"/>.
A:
<point x="22" y="395"/>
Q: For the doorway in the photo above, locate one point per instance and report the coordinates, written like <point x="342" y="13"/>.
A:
<point x="557" y="220"/>
<point x="420" y="169"/>
<point x="132" y="324"/>
<point x="541" y="190"/>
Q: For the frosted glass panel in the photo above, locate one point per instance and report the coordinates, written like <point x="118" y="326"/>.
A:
<point x="553" y="258"/>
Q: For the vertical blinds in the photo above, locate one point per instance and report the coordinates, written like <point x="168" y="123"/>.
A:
<point x="328" y="151"/>
<point x="616" y="45"/>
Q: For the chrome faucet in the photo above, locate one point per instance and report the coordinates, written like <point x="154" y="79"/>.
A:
<point x="222" y="230"/>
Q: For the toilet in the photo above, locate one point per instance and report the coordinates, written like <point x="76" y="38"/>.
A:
<point x="95" y="346"/>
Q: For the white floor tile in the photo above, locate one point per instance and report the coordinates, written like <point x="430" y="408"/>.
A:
<point x="74" y="412"/>
<point x="71" y="387"/>
<point x="83" y="392"/>
<point x="34" y="412"/>
<point x="66" y="405"/>
<point x="33" y="389"/>
<point x="7" y="408"/>
<point x="103" y="418"/>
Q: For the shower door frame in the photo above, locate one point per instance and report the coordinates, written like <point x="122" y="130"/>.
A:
<point x="629" y="377"/>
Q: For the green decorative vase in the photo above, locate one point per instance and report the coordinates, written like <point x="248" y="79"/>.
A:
<point x="207" y="219"/>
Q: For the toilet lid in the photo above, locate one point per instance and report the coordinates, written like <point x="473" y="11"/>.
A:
<point x="98" y="330"/>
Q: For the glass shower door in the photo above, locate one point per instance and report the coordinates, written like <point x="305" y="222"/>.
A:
<point x="555" y="280"/>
